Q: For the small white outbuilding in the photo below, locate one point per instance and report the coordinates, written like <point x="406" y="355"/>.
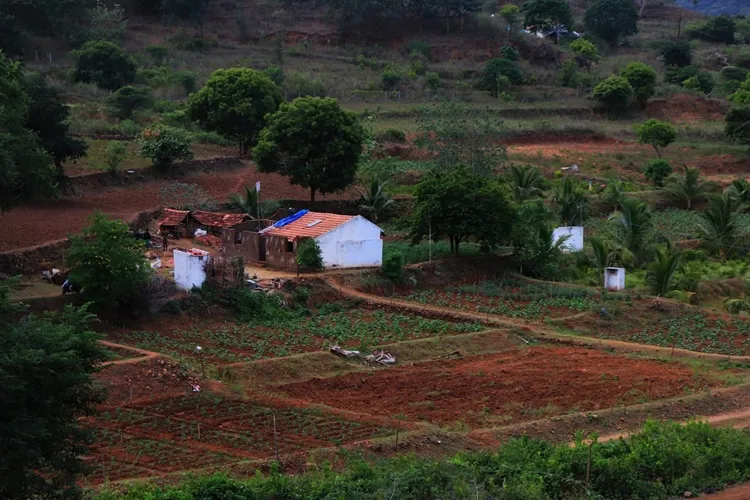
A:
<point x="614" y="278"/>
<point x="189" y="266"/>
<point x="344" y="240"/>
<point x="574" y="243"/>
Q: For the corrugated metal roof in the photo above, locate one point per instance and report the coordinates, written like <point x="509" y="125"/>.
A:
<point x="171" y="217"/>
<point x="215" y="219"/>
<point x="310" y="225"/>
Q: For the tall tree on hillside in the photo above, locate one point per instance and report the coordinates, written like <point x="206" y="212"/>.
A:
<point x="48" y="116"/>
<point x="313" y="142"/>
<point x="611" y="20"/>
<point x="548" y="15"/>
<point x="688" y="187"/>
<point x="461" y="205"/>
<point x="26" y="170"/>
<point x="234" y="103"/>
<point x="45" y="368"/>
<point x="656" y="133"/>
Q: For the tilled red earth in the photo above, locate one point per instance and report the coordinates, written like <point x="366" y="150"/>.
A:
<point x="38" y="223"/>
<point x="507" y="387"/>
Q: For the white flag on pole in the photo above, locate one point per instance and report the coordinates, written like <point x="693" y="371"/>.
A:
<point x="257" y="186"/>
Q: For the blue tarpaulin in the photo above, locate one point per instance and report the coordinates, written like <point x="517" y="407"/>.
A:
<point x="288" y="220"/>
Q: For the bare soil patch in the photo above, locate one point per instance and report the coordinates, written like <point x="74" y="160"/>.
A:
<point x="504" y="387"/>
<point x="687" y="108"/>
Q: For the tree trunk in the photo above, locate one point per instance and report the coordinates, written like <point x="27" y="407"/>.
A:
<point x="658" y="153"/>
<point x="312" y="196"/>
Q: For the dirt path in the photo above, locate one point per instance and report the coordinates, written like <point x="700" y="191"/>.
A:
<point x="535" y="329"/>
<point x="145" y="355"/>
<point x="741" y="492"/>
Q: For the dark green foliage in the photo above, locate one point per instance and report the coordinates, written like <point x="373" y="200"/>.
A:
<point x="127" y="100"/>
<point x="690" y="77"/>
<point x="461" y="205"/>
<point x="313" y="142"/>
<point x="737" y="124"/>
<point x="662" y="270"/>
<point x="733" y="73"/>
<point x="158" y="53"/>
<point x="572" y="204"/>
<point x="657" y="170"/>
<point x="720" y="222"/>
<point x="420" y="47"/>
<point x="642" y="78"/>
<point x="26" y="169"/>
<point x="165" y="145"/>
<point x="46" y="368"/>
<point x="47" y="18"/>
<point x="109" y="264"/>
<point x="234" y="102"/>
<point x="390" y="78"/>
<point x="547" y="14"/>
<point x="309" y="255"/>
<point x="192" y="10"/>
<point x="105" y="64"/>
<point x="500" y="67"/>
<point x="393" y="266"/>
<point x="632" y="224"/>
<point x="611" y="20"/>
<point x="613" y="94"/>
<point x="719" y="29"/>
<point x="47" y="117"/>
<point x="657" y="133"/>
<point x="11" y="36"/>
<point x="510" y="53"/>
<point x="677" y="53"/>
<point x="276" y="74"/>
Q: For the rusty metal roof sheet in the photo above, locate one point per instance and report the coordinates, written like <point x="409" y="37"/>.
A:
<point x="310" y="225"/>
<point x="171" y="217"/>
<point x="215" y="219"/>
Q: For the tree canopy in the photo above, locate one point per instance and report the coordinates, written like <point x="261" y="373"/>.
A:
<point x="547" y="14"/>
<point x="461" y="205"/>
<point x="312" y="141"/>
<point x="737" y="124"/>
<point x="234" y="103"/>
<point x="642" y="78"/>
<point x="611" y="20"/>
<point x="46" y="368"/>
<point x="656" y="133"/>
<point x="105" y="64"/>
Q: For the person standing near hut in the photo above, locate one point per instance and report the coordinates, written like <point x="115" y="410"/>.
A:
<point x="164" y="239"/>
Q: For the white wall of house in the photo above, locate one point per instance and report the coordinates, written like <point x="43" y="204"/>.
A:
<point x="574" y="243"/>
<point x="355" y="243"/>
<point x="188" y="268"/>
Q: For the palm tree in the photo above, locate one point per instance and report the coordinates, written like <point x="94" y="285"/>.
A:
<point x="247" y="203"/>
<point x="719" y="222"/>
<point x="739" y="189"/>
<point x="572" y="204"/>
<point x="373" y="199"/>
<point x="525" y="182"/>
<point x="661" y="271"/>
<point x="538" y="257"/>
<point x="613" y="193"/>
<point x="603" y="253"/>
<point x="632" y="224"/>
<point x="688" y="187"/>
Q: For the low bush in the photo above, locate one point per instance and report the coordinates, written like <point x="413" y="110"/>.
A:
<point x="309" y="255"/>
<point x="393" y="266"/>
<point x="165" y="145"/>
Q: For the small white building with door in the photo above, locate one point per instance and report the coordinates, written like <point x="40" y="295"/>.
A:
<point x="189" y="267"/>
<point x="614" y="279"/>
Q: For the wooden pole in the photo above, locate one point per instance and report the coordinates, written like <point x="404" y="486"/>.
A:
<point x="588" y="467"/>
<point x="275" y="441"/>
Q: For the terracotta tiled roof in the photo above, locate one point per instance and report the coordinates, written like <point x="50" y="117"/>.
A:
<point x="171" y="217"/>
<point x="310" y="225"/>
<point x="214" y="219"/>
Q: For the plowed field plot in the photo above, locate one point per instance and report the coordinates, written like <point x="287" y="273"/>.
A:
<point x="202" y="430"/>
<point x="515" y="298"/>
<point x="525" y="384"/>
<point x="695" y="331"/>
<point x="231" y="342"/>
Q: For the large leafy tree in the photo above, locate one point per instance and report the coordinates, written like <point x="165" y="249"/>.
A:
<point x="688" y="187"/>
<point x="105" y="64"/>
<point x="26" y="170"/>
<point x="45" y="370"/>
<point x="611" y="20"/>
<point x="460" y="135"/>
<point x="548" y="15"/>
<point x="234" y="103"/>
<point x="312" y="141"/>
<point x="109" y="264"/>
<point x="461" y="205"/>
<point x="657" y="133"/>
<point x="47" y="116"/>
<point x="642" y="78"/>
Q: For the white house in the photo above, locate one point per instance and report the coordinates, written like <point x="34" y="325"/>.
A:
<point x="188" y="267"/>
<point x="344" y="240"/>
<point x="574" y="243"/>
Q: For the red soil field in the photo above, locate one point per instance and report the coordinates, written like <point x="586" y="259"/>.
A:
<point x="38" y="223"/>
<point x="507" y="387"/>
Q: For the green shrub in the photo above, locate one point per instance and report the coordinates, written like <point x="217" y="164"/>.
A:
<point x="703" y="82"/>
<point x="736" y="124"/>
<point x="301" y="294"/>
<point x="300" y="84"/>
<point x="188" y="80"/>
<point x="613" y="94"/>
<point x="642" y="78"/>
<point x="677" y="53"/>
<point x="276" y="74"/>
<point x="678" y="74"/>
<point x="116" y="152"/>
<point x="393" y="266"/>
<point x="390" y="78"/>
<point x="656" y="133"/>
<point x="309" y="255"/>
<point x="105" y="64"/>
<point x="432" y="80"/>
<point x="158" y="53"/>
<point x="420" y="47"/>
<point x="733" y="73"/>
<point x="394" y="135"/>
<point x="165" y="145"/>
<point x="717" y="29"/>
<point x="500" y="67"/>
<point x="127" y="100"/>
<point x="193" y="43"/>
<point x="510" y="53"/>
<point x="657" y="170"/>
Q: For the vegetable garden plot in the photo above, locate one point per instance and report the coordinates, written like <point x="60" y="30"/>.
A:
<point x="508" y="387"/>
<point x="232" y="343"/>
<point x="204" y="429"/>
